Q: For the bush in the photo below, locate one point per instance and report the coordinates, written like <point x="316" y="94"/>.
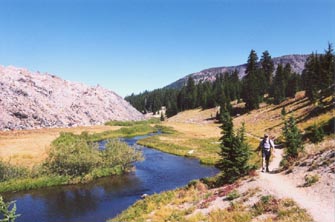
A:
<point x="8" y="211"/>
<point x="117" y="153"/>
<point x="72" y="155"/>
<point x="310" y="180"/>
<point x="8" y="171"/>
<point x="233" y="195"/>
<point x="75" y="155"/>
<point x="317" y="134"/>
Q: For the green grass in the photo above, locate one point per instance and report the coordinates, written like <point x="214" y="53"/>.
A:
<point x="17" y="179"/>
<point x="133" y="123"/>
<point x="32" y="183"/>
<point x="20" y="184"/>
<point x="206" y="150"/>
<point x="131" y="131"/>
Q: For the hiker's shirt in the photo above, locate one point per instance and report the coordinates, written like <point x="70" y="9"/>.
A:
<point x="267" y="144"/>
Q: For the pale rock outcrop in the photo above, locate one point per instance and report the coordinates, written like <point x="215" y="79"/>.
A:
<point x="32" y="100"/>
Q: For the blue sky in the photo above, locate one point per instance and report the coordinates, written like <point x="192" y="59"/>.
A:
<point x="135" y="45"/>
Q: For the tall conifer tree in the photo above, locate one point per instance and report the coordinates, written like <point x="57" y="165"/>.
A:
<point x="251" y="87"/>
<point x="234" y="151"/>
<point x="267" y="68"/>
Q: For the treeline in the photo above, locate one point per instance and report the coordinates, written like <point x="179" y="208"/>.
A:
<point x="317" y="79"/>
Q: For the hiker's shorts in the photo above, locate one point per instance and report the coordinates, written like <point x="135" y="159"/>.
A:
<point x="266" y="153"/>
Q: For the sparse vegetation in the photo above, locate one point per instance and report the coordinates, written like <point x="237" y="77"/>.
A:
<point x="311" y="179"/>
<point x="184" y="204"/>
<point x="233" y="195"/>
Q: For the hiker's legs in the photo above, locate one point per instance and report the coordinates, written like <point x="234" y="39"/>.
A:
<point x="267" y="160"/>
<point x="263" y="160"/>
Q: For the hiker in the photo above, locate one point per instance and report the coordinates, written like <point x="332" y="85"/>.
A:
<point x="266" y="145"/>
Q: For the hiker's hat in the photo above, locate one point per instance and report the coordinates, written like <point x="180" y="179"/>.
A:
<point x="266" y="135"/>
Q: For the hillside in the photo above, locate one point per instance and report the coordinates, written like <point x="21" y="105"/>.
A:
<point x="296" y="61"/>
<point x="32" y="100"/>
<point x="303" y="192"/>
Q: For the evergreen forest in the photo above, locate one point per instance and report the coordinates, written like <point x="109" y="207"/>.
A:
<point x="261" y="83"/>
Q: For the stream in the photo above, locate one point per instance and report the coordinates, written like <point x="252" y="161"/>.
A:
<point x="104" y="198"/>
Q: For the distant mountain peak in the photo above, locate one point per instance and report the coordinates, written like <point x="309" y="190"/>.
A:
<point x="296" y="61"/>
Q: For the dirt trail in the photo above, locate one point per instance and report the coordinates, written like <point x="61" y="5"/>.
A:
<point x="321" y="209"/>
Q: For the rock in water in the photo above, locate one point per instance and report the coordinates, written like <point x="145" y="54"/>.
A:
<point x="32" y="100"/>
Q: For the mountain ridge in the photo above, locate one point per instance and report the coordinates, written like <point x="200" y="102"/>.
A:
<point x="31" y="100"/>
<point x="297" y="62"/>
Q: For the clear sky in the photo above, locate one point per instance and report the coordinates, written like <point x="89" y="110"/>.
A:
<point x="135" y="45"/>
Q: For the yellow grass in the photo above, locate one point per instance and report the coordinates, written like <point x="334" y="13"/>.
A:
<point x="195" y="128"/>
<point x="268" y="118"/>
<point x="196" y="133"/>
<point x="29" y="147"/>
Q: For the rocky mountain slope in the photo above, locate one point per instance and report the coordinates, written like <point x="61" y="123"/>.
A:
<point x="297" y="63"/>
<point x="33" y="100"/>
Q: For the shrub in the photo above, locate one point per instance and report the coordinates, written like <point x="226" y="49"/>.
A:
<point x="75" y="155"/>
<point x="117" y="153"/>
<point x="317" y="134"/>
<point x="8" y="171"/>
<point x="310" y="180"/>
<point x="233" y="195"/>
<point x="265" y="205"/>
<point x="8" y="211"/>
<point x="72" y="155"/>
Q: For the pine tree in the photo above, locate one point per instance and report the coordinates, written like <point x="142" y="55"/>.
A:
<point x="293" y="138"/>
<point x="293" y="85"/>
<point x="279" y="85"/>
<point x="327" y="70"/>
<point x="251" y="84"/>
<point x="190" y="96"/>
<point x="267" y="68"/>
<point x="311" y="77"/>
<point x="317" y="134"/>
<point x="234" y="151"/>
<point x="235" y="86"/>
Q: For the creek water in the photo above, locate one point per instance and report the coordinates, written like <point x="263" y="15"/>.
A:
<point x="105" y="198"/>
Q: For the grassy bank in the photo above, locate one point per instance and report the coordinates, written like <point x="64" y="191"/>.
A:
<point x="133" y="130"/>
<point x="190" y="144"/>
<point x="203" y="149"/>
<point x="73" y="159"/>
<point x="33" y="183"/>
<point x="191" y="203"/>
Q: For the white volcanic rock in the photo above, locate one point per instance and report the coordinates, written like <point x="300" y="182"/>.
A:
<point x="33" y="100"/>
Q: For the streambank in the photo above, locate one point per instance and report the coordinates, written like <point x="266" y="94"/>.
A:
<point x="107" y="197"/>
